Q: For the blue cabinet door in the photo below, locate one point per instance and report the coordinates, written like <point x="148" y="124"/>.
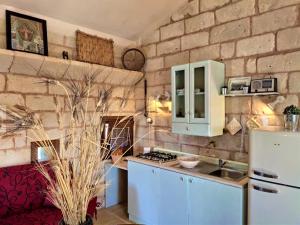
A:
<point x="212" y="203"/>
<point x="173" y="198"/>
<point x="143" y="193"/>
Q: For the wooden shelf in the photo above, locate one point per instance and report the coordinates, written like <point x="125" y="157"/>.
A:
<point x="252" y="94"/>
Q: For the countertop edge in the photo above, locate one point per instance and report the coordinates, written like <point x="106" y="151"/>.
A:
<point x="238" y="184"/>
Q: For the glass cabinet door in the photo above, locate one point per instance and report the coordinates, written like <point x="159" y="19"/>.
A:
<point x="180" y="92"/>
<point x="199" y="93"/>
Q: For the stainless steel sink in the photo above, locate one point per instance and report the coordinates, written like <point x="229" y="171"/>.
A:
<point x="228" y="174"/>
<point x="202" y="167"/>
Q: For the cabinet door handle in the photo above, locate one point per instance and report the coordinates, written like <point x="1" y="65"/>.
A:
<point x="181" y="178"/>
<point x="153" y="171"/>
<point x="191" y="180"/>
<point x="263" y="174"/>
<point x="262" y="189"/>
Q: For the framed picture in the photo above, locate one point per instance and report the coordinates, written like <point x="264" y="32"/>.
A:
<point x="236" y="85"/>
<point x="26" y="33"/>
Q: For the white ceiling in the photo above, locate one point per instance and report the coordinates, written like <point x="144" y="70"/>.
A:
<point x="124" y="18"/>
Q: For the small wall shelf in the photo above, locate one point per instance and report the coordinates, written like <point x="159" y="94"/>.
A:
<point x="252" y="94"/>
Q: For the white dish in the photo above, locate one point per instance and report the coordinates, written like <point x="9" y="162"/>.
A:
<point x="188" y="162"/>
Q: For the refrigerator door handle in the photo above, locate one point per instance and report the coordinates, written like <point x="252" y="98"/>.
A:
<point x="264" y="174"/>
<point x="263" y="189"/>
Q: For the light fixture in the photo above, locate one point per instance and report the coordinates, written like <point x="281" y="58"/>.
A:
<point x="278" y="100"/>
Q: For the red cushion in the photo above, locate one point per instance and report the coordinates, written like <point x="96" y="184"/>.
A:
<point x="43" y="216"/>
<point x="22" y="188"/>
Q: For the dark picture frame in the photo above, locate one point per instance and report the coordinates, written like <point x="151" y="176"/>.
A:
<point x="29" y="38"/>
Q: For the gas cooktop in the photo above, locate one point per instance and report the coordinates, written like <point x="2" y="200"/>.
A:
<point x="158" y="156"/>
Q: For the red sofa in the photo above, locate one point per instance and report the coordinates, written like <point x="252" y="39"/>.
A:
<point x="22" y="198"/>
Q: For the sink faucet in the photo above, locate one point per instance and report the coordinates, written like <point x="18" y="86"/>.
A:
<point x="222" y="163"/>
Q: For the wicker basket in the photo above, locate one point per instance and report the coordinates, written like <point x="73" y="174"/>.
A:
<point x="94" y="49"/>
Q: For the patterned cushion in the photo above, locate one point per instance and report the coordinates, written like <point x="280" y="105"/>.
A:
<point x="22" y="198"/>
<point x="43" y="216"/>
<point x="22" y="188"/>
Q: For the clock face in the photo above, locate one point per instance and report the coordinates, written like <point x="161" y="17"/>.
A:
<point x="133" y="59"/>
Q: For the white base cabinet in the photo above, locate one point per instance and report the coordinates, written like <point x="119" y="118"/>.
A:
<point x="143" y="193"/>
<point x="179" y="199"/>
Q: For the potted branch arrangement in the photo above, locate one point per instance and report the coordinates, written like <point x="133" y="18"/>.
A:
<point x="291" y="117"/>
<point x="78" y="169"/>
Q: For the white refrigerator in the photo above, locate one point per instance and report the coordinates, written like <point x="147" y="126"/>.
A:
<point x="274" y="171"/>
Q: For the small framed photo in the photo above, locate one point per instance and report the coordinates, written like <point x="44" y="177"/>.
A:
<point x="236" y="85"/>
<point x="26" y="33"/>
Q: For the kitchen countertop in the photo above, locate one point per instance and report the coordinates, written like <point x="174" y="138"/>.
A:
<point x="176" y="168"/>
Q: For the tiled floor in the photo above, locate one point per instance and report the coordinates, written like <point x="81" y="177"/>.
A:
<point x="115" y="215"/>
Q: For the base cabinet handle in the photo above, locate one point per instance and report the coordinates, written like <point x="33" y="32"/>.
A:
<point x="181" y="178"/>
<point x="191" y="180"/>
<point x="263" y="189"/>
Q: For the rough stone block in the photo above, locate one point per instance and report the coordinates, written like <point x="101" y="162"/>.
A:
<point x="40" y="102"/>
<point x="288" y="39"/>
<point x="227" y="50"/>
<point x="194" y="40"/>
<point x="150" y="50"/>
<point x="212" y="4"/>
<point x="167" y="47"/>
<point x="189" y="9"/>
<point x="234" y="67"/>
<point x="199" y="22"/>
<point x="229" y="31"/>
<point x="294" y="82"/>
<point x="275" y="20"/>
<point x="20" y="139"/>
<point x="177" y="59"/>
<point x="251" y="65"/>
<point x="24" y="84"/>
<point x="158" y="78"/>
<point x="49" y="119"/>
<point x="191" y="149"/>
<point x="205" y="53"/>
<point x="6" y="143"/>
<point x="263" y="44"/>
<point x="172" y="30"/>
<point x="235" y="11"/>
<point x="6" y="59"/>
<point x="238" y="105"/>
<point x="267" y="5"/>
<point x="11" y="99"/>
<point x="2" y="82"/>
<point x="279" y="63"/>
<point x="154" y="64"/>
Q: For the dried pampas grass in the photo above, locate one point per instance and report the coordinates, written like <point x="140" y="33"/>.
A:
<point x="78" y="169"/>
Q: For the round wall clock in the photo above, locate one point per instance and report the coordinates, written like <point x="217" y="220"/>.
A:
<point x="133" y="59"/>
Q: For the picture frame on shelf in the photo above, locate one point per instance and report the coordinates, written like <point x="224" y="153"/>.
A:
<point x="26" y="33"/>
<point x="236" y="85"/>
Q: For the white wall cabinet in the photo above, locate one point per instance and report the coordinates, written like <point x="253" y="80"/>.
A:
<point x="197" y="106"/>
<point x="166" y="197"/>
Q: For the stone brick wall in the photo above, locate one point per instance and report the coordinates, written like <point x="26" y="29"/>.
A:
<point x="20" y="77"/>
<point x="257" y="38"/>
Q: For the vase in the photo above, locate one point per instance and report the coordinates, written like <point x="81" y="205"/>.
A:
<point x="291" y="122"/>
<point x="89" y="221"/>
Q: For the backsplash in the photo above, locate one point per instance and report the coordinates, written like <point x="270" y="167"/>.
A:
<point x="256" y="38"/>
